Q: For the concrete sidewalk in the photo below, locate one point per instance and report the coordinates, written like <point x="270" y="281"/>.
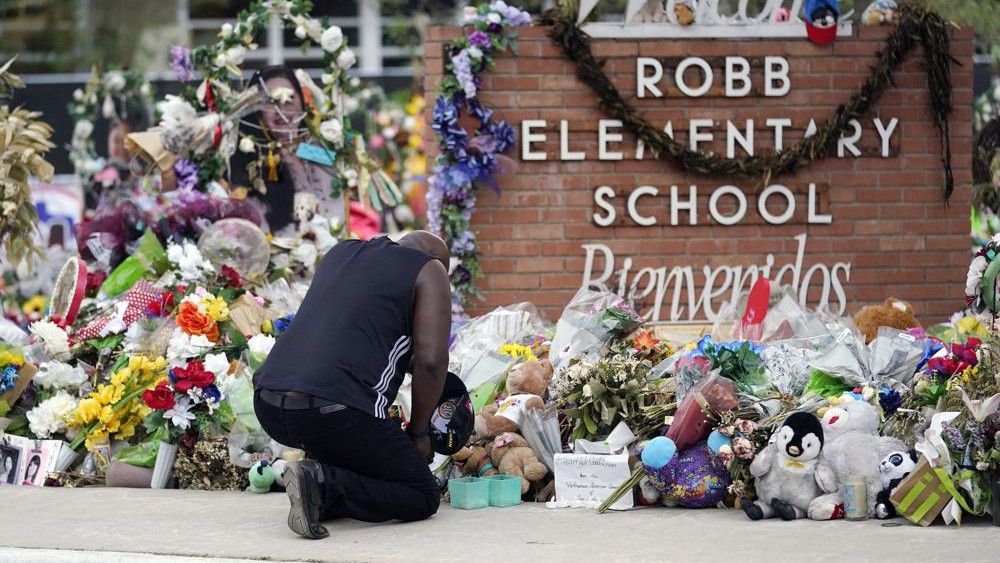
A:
<point x="121" y="522"/>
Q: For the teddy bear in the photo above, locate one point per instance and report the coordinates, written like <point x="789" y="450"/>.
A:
<point x="893" y="313"/>
<point x="684" y="11"/>
<point x="526" y="385"/>
<point x="784" y="471"/>
<point x="880" y="12"/>
<point x="651" y="12"/>
<point x="893" y="469"/>
<point x="852" y="448"/>
<point x="476" y="461"/>
<point x="512" y="455"/>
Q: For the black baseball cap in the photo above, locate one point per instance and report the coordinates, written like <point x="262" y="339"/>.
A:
<point x="453" y="420"/>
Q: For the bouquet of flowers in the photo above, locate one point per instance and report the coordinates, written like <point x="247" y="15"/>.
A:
<point x="114" y="410"/>
<point x="188" y="401"/>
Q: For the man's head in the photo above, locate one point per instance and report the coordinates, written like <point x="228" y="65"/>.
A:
<point x="429" y="243"/>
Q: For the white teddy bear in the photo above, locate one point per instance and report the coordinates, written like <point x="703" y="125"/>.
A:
<point x="852" y="448"/>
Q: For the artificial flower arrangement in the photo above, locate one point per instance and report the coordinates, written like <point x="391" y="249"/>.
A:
<point x="187" y="402"/>
<point x="465" y="159"/>
<point x="109" y="95"/>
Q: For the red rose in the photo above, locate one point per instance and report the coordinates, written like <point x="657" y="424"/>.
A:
<point x="163" y="306"/>
<point x="232" y="277"/>
<point x="160" y="397"/>
<point x="195" y="375"/>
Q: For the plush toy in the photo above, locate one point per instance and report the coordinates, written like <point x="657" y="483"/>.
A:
<point x="651" y="12"/>
<point x="821" y="20"/>
<point x="893" y="313"/>
<point x="784" y="471"/>
<point x="893" y="469"/>
<point x="512" y="455"/>
<point x="476" y="461"/>
<point x="851" y="448"/>
<point x="261" y="477"/>
<point x="692" y="478"/>
<point x="881" y="12"/>
<point x="684" y="11"/>
<point x="526" y="384"/>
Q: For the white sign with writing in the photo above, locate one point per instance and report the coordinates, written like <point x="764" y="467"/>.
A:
<point x="586" y="480"/>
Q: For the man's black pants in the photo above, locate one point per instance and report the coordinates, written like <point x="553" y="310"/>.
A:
<point x="371" y="469"/>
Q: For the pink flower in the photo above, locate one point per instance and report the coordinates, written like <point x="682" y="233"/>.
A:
<point x="743" y="448"/>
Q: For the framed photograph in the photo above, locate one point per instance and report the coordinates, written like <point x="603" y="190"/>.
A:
<point x="10" y="464"/>
<point x="35" y="467"/>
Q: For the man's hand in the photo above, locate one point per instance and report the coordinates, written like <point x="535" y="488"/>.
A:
<point x="423" y="444"/>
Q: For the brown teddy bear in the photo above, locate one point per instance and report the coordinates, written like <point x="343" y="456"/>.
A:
<point x="476" y="461"/>
<point x="512" y="456"/>
<point x="526" y="385"/>
<point x="894" y="313"/>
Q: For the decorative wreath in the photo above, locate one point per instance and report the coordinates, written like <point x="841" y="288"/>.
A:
<point x="207" y="148"/>
<point x="104" y="96"/>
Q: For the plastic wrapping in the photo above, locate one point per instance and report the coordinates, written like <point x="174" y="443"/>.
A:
<point x="693" y="421"/>
<point x="788" y="365"/>
<point x="150" y="257"/>
<point x="585" y="326"/>
<point x="891" y="358"/>
<point x="282" y="298"/>
<point x="474" y="357"/>
<point x="786" y="319"/>
<point x="542" y="434"/>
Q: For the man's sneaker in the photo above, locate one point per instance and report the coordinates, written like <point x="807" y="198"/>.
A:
<point x="302" y="483"/>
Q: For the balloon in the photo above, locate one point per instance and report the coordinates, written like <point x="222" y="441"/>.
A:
<point x="716" y="440"/>
<point x="658" y="452"/>
<point x="237" y="243"/>
<point x="693" y="479"/>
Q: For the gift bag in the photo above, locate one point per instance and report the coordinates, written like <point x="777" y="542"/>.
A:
<point x="925" y="493"/>
<point x="694" y="419"/>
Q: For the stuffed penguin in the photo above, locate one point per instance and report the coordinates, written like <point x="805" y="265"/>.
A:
<point x="785" y="470"/>
<point x="821" y="20"/>
<point x="892" y="469"/>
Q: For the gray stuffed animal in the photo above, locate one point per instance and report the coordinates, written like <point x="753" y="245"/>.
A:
<point x="784" y="471"/>
<point x="852" y="449"/>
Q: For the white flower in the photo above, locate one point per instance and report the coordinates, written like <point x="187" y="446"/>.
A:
<point x="282" y="95"/>
<point x="145" y="90"/>
<point x="50" y="416"/>
<point x="306" y="253"/>
<point x="280" y="7"/>
<point x="326" y="78"/>
<point x="260" y="344"/>
<point x="587" y="391"/>
<point x="180" y="415"/>
<point x="217" y="364"/>
<point x="469" y="14"/>
<point x="184" y="346"/>
<point x="59" y="375"/>
<point x="300" y="32"/>
<point x="975" y="275"/>
<point x="78" y="95"/>
<point x="474" y="52"/>
<point x="232" y="56"/>
<point x="226" y="31"/>
<point x="108" y="107"/>
<point x="346" y="59"/>
<point x="189" y="262"/>
<point x="493" y="17"/>
<point x="313" y="29"/>
<point x="246" y="144"/>
<point x="331" y="39"/>
<point x="175" y="112"/>
<point x="332" y="130"/>
<point x="55" y="339"/>
<point x="115" y="80"/>
<point x="117" y="322"/>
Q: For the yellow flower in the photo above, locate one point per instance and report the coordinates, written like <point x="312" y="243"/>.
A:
<point x="267" y="327"/>
<point x="517" y="351"/>
<point x="34" y="306"/>
<point x="86" y="412"/>
<point x="216" y="308"/>
<point x="415" y="105"/>
<point x="107" y="414"/>
<point x="10" y="358"/>
<point x="971" y="325"/>
<point x="96" y="438"/>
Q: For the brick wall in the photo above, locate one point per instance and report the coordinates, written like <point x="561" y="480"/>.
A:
<point x="889" y="218"/>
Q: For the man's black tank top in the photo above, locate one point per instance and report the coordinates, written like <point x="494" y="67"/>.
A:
<point x="352" y="338"/>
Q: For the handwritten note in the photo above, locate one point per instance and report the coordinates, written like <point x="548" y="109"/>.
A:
<point x="586" y="480"/>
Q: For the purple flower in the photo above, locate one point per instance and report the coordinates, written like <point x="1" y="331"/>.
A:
<point x="479" y="39"/>
<point x="187" y="174"/>
<point x="511" y="15"/>
<point x="180" y="62"/>
<point x="461" y="66"/>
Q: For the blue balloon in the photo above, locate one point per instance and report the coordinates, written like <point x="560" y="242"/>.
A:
<point x="716" y="440"/>
<point x="658" y="452"/>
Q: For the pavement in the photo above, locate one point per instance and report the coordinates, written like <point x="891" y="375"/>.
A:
<point x="127" y="525"/>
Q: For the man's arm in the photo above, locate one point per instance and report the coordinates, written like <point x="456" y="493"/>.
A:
<point x="431" y="331"/>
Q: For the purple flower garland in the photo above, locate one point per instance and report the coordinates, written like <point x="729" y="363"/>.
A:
<point x="467" y="160"/>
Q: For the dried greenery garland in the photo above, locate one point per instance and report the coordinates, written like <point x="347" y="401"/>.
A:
<point x="916" y="24"/>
